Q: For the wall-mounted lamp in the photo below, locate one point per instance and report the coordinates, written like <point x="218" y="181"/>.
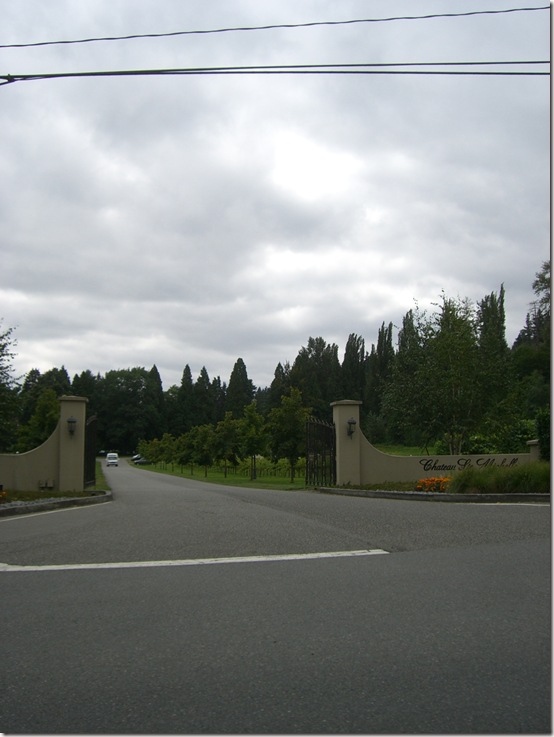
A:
<point x="71" y="425"/>
<point x="351" y="423"/>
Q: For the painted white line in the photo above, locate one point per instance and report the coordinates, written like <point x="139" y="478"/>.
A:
<point x="7" y="568"/>
<point x="509" y="504"/>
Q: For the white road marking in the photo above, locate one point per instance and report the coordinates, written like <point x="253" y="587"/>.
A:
<point x="7" y="568"/>
<point x="509" y="504"/>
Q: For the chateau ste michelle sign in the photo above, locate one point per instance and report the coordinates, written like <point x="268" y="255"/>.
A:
<point x="460" y="464"/>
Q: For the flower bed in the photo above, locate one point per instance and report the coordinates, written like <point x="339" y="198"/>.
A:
<point x="435" y="483"/>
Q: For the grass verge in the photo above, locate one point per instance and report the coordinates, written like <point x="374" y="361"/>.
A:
<point x="529" y="478"/>
<point x="217" y="476"/>
<point x="101" y="483"/>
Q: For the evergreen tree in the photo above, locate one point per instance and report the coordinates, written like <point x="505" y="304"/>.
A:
<point x="85" y="384"/>
<point x="316" y="374"/>
<point x="219" y="394"/>
<point x="203" y="400"/>
<point x="435" y="393"/>
<point x="125" y="406"/>
<point x="154" y="404"/>
<point x="400" y="399"/>
<point x="452" y="375"/>
<point x="531" y="349"/>
<point x="262" y="399"/>
<point x="171" y="408"/>
<point x="379" y="370"/>
<point x="58" y="380"/>
<point x="279" y="386"/>
<point x="541" y="288"/>
<point x="240" y="391"/>
<point x="353" y="368"/>
<point x="185" y="404"/>
<point x="494" y="355"/>
<point x="29" y="394"/>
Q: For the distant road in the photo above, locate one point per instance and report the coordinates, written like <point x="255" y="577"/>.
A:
<point x="184" y="607"/>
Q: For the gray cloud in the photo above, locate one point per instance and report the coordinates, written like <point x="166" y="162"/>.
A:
<point x="199" y="219"/>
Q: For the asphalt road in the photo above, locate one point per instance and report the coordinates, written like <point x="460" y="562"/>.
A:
<point x="182" y="607"/>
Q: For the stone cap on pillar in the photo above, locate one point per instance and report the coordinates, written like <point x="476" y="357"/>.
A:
<point x="344" y="407"/>
<point x="347" y="401"/>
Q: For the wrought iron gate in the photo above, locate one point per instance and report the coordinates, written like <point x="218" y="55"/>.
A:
<point x="320" y="453"/>
<point x="90" y="451"/>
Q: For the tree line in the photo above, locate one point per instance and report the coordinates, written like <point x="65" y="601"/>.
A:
<point x="450" y="384"/>
<point x="278" y="436"/>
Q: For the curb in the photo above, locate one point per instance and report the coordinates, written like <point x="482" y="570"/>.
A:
<point x="430" y="496"/>
<point x="46" y="505"/>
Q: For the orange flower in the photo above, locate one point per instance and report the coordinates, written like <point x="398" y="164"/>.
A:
<point x="434" y="483"/>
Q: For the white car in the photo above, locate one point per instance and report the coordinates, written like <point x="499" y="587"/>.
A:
<point x="112" y="459"/>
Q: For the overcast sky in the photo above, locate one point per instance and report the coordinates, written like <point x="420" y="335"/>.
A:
<point x="198" y="219"/>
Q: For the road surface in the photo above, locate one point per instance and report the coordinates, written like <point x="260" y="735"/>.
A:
<point x="184" y="607"/>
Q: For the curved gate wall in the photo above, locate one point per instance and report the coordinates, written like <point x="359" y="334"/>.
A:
<point x="359" y="462"/>
<point x="57" y="464"/>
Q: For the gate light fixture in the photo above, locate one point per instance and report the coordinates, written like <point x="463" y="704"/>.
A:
<point x="351" y="427"/>
<point x="71" y="425"/>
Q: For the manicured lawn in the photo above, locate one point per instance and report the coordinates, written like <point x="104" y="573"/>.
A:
<point x="217" y="476"/>
<point x="267" y="480"/>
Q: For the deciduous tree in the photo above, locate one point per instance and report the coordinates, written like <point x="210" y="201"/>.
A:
<point x="226" y="441"/>
<point x="42" y="423"/>
<point x="253" y="436"/>
<point x="379" y="368"/>
<point x="287" y="427"/>
<point x="9" y="402"/>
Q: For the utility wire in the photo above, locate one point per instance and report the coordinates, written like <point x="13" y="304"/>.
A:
<point x="392" y="68"/>
<point x="275" y="26"/>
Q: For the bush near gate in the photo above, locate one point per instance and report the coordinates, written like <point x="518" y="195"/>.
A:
<point x="543" y="432"/>
<point x="529" y="478"/>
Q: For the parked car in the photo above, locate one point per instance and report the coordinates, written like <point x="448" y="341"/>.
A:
<point x="112" y="459"/>
<point x="140" y="461"/>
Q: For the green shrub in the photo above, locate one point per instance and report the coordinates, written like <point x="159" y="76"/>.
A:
<point x="528" y="478"/>
<point x="543" y="432"/>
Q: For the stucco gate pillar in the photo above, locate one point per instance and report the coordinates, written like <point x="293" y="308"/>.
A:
<point x="346" y="418"/>
<point x="73" y="412"/>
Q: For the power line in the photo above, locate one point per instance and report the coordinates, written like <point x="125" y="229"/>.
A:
<point x="275" y="26"/>
<point x="359" y="68"/>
